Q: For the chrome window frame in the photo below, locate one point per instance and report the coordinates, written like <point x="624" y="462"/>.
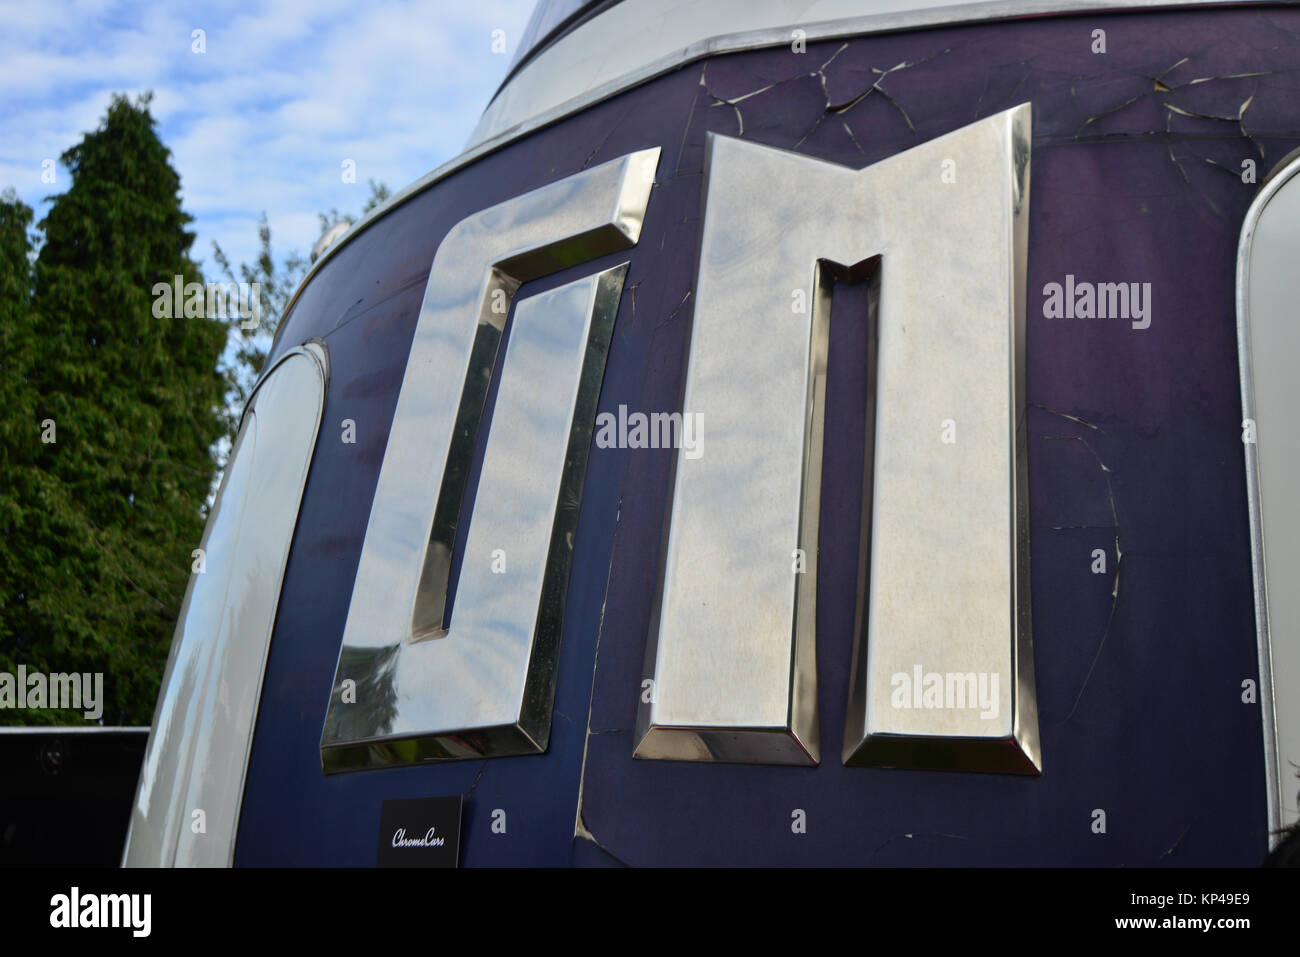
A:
<point x="1286" y="170"/>
<point x="188" y="749"/>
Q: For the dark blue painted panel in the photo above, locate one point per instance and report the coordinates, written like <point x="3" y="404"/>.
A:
<point x="1134" y="442"/>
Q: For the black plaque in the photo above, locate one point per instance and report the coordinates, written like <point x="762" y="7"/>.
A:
<point x="419" y="832"/>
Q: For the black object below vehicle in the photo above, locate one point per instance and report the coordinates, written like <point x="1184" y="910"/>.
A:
<point x="66" y="794"/>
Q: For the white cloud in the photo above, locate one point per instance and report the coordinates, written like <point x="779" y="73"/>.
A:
<point x="286" y="90"/>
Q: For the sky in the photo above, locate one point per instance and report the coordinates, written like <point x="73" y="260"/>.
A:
<point x="262" y="120"/>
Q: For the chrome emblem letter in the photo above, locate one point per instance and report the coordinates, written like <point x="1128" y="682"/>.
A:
<point x="944" y="599"/>
<point x="484" y="686"/>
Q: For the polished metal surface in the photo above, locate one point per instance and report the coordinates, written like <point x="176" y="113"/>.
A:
<point x="568" y="81"/>
<point x="946" y="598"/>
<point x="427" y="688"/>
<point x="76" y="729"/>
<point x="187" y="805"/>
<point x="549" y="17"/>
<point x="1268" y="342"/>
<point x="945" y="550"/>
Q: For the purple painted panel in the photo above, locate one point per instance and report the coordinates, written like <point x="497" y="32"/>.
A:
<point x="1134" y="445"/>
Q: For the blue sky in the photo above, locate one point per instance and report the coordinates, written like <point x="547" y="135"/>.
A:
<point x="285" y="92"/>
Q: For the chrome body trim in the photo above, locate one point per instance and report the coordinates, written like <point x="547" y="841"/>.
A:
<point x="202" y="733"/>
<point x="482" y="144"/>
<point x="76" y="729"/>
<point x="1268" y="343"/>
<point x="550" y="20"/>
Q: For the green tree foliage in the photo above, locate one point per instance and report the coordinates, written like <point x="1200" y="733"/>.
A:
<point x="98" y="525"/>
<point x="278" y="280"/>
<point x="276" y="284"/>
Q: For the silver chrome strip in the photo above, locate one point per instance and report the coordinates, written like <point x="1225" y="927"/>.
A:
<point x="187" y="804"/>
<point x="76" y="729"/>
<point x="551" y="19"/>
<point x="482" y="145"/>
<point x="1267" y="700"/>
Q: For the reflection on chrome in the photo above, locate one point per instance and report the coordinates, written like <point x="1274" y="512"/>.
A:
<point x="1268" y="340"/>
<point x="944" y="566"/>
<point x="485" y="685"/>
<point x="203" y="727"/>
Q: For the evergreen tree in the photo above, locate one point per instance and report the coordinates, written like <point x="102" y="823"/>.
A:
<point x="99" y="524"/>
<point x="19" y="427"/>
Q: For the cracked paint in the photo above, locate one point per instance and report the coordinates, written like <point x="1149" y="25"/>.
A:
<point x="1119" y="557"/>
<point x="832" y="105"/>
<point x="1174" y="846"/>
<point x="474" y="784"/>
<point x="676" y="309"/>
<point x="579" y="826"/>
<point x="1064" y="415"/>
<point x="910" y="836"/>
